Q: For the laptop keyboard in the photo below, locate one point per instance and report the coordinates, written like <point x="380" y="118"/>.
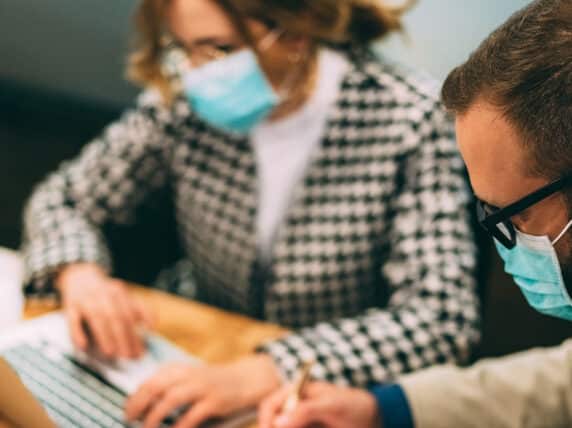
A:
<point x="73" y="395"/>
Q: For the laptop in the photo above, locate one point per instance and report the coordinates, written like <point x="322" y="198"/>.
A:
<point x="73" y="389"/>
<point x="18" y="407"/>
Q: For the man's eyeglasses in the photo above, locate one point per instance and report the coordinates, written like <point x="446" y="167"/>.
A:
<point x="496" y="221"/>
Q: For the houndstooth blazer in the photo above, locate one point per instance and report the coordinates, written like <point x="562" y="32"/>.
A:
<point x="373" y="266"/>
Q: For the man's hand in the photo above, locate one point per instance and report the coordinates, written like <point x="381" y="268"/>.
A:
<point x="322" y="405"/>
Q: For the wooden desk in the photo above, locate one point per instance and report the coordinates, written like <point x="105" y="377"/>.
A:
<point x="208" y="333"/>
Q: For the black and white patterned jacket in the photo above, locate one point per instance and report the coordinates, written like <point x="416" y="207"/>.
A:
<point x="374" y="264"/>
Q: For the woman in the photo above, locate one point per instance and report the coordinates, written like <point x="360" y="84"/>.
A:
<point x="314" y="187"/>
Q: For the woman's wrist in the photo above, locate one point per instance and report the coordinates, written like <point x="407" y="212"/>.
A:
<point x="76" y="271"/>
<point x="262" y="377"/>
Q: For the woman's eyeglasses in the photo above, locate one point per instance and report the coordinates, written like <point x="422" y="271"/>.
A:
<point x="497" y="221"/>
<point x="201" y="53"/>
<point x="177" y="58"/>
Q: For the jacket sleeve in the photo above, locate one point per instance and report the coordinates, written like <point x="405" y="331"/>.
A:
<point x="531" y="389"/>
<point x="432" y="313"/>
<point x="105" y="183"/>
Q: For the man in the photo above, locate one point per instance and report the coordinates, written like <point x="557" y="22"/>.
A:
<point x="513" y="105"/>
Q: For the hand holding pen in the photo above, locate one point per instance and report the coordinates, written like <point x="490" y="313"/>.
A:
<point x="305" y="404"/>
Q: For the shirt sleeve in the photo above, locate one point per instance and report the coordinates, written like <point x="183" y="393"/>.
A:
<point x="530" y="389"/>
<point x="393" y="406"/>
<point x="105" y="183"/>
<point x="432" y="314"/>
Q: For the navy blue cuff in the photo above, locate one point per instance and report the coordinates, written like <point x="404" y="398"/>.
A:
<point x="393" y="406"/>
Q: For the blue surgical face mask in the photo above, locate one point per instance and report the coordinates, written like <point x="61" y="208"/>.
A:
<point x="231" y="93"/>
<point x="534" y="266"/>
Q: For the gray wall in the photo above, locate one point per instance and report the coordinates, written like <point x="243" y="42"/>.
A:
<point x="78" y="46"/>
<point x="75" y="46"/>
<point x="440" y="34"/>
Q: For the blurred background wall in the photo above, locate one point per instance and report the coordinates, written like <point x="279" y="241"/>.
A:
<point x="78" y="47"/>
<point x="442" y="33"/>
<point x="75" y="47"/>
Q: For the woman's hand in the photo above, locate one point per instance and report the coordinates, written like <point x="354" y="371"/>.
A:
<point x="102" y="304"/>
<point x="323" y="405"/>
<point x="208" y="391"/>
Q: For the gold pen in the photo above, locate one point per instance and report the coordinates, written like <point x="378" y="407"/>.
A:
<point x="298" y="387"/>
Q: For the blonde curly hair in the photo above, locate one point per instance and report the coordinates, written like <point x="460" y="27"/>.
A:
<point x="359" y="22"/>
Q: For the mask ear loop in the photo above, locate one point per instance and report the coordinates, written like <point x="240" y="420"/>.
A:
<point x="289" y="82"/>
<point x="561" y="234"/>
<point x="269" y="39"/>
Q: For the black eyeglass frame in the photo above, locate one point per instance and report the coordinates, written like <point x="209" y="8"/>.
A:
<point x="491" y="222"/>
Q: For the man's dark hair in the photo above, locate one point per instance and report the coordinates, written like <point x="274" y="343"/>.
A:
<point x="525" y="69"/>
